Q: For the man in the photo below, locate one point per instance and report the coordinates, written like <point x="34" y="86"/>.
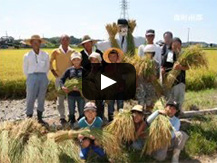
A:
<point x="150" y="35"/>
<point x="62" y="58"/>
<point x="177" y="92"/>
<point x="120" y="40"/>
<point x="36" y="67"/>
<point x="88" y="45"/>
<point x="178" y="137"/>
<point x="168" y="38"/>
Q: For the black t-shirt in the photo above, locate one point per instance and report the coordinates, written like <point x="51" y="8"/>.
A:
<point x="168" y="65"/>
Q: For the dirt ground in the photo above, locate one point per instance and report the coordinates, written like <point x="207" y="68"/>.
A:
<point x="15" y="110"/>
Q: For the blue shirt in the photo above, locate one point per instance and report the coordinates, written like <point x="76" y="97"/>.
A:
<point x="175" y="122"/>
<point x="97" y="123"/>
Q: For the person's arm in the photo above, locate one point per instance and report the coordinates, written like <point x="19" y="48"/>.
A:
<point x="140" y="51"/>
<point x="52" y="59"/>
<point x="47" y="63"/>
<point x="63" y="80"/>
<point x="141" y="130"/>
<point x="178" y="66"/>
<point x="103" y="45"/>
<point x="151" y="118"/>
<point x="25" y="65"/>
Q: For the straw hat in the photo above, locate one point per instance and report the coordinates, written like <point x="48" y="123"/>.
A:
<point x="86" y="39"/>
<point x="138" y="108"/>
<point x="113" y="50"/>
<point x="34" y="37"/>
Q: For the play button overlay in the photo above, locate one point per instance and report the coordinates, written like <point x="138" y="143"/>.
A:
<point x="109" y="82"/>
<point x="106" y="82"/>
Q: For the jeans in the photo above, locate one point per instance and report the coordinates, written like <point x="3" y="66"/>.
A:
<point x="36" y="88"/>
<point x="80" y="104"/>
<point x="111" y="106"/>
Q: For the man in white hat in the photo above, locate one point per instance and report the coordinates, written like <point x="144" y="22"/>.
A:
<point x="62" y="57"/>
<point x="89" y="47"/>
<point x="150" y="35"/>
<point x="36" y="67"/>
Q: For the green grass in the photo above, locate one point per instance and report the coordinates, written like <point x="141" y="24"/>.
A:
<point x="204" y="99"/>
<point x="202" y="132"/>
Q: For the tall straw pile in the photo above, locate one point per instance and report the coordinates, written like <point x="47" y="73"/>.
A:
<point x="112" y="30"/>
<point x="192" y="57"/>
<point x="122" y="126"/>
<point x="26" y="141"/>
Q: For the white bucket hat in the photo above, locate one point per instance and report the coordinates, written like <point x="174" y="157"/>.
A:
<point x="76" y="55"/>
<point x="96" y="55"/>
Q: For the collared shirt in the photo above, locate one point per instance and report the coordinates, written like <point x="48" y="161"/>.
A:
<point x="157" y="55"/>
<point x="97" y="123"/>
<point x="62" y="59"/>
<point x="36" y="63"/>
<point x="175" y="122"/>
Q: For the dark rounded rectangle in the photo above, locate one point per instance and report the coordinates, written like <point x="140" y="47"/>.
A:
<point x="123" y="73"/>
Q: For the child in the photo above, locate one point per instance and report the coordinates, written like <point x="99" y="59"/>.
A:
<point x="146" y="92"/>
<point x="91" y="121"/>
<point x="114" y="55"/>
<point x="179" y="138"/>
<point x="74" y="96"/>
<point x="140" y="126"/>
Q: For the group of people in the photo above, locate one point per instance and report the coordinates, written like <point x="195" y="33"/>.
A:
<point x="65" y="63"/>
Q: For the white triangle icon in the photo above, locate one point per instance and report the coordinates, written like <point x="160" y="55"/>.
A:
<point x="106" y="82"/>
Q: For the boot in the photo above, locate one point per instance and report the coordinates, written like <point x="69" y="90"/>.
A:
<point x="176" y="153"/>
<point x="40" y="120"/>
<point x="71" y="120"/>
<point x="63" y="121"/>
<point x="29" y="116"/>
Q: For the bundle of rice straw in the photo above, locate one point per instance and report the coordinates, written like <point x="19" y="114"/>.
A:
<point x="4" y="144"/>
<point x="122" y="126"/>
<point x="66" y="149"/>
<point x="112" y="30"/>
<point x="33" y="150"/>
<point x="159" y="135"/>
<point x="70" y="85"/>
<point x="107" y="140"/>
<point x="146" y="68"/>
<point x="192" y="57"/>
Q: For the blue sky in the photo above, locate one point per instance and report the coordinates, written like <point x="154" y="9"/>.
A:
<point x="79" y="17"/>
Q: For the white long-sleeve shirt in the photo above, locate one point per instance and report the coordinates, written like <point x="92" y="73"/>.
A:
<point x="157" y="55"/>
<point x="34" y="63"/>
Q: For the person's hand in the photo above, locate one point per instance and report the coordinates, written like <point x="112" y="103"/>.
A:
<point x="65" y="89"/>
<point x="54" y="73"/>
<point x="162" y="112"/>
<point x="163" y="71"/>
<point x="80" y="137"/>
<point x="177" y="66"/>
<point x="92" y="137"/>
